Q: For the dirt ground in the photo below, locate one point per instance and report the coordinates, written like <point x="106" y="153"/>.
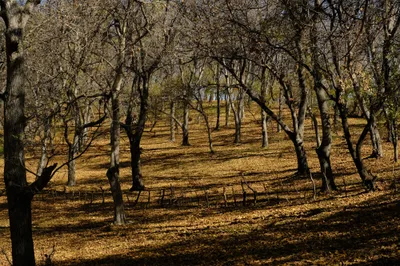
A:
<point x="243" y="205"/>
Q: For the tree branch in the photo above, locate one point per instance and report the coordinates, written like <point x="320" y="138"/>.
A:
<point x="41" y="182"/>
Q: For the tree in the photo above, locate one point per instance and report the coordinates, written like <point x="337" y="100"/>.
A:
<point x="19" y="192"/>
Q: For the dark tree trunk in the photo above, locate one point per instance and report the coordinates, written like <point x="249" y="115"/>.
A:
<point x="185" y="124"/>
<point x="19" y="194"/>
<point x="135" y="134"/>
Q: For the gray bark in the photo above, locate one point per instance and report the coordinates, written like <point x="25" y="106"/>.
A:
<point x="172" y="123"/>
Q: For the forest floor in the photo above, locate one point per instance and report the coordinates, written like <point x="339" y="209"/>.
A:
<point x="194" y="210"/>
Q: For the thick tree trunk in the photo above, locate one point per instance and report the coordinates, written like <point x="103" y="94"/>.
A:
<point x="302" y="164"/>
<point x="19" y="195"/>
<point x="185" y="125"/>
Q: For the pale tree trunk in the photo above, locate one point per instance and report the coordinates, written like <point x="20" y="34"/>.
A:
<point x="83" y="137"/>
<point x="172" y="123"/>
<point x="19" y="194"/>
<point x="72" y="152"/>
<point x="264" y="117"/>
<point x="113" y="170"/>
<point x="217" y="125"/>
<point x="280" y="103"/>
<point x="237" y="114"/>
<point x="227" y="108"/>
<point x="45" y="143"/>
<point x="324" y="149"/>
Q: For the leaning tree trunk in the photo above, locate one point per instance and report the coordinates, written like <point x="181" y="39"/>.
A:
<point x="366" y="177"/>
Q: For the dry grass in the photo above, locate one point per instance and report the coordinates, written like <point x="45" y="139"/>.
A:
<point x="285" y="226"/>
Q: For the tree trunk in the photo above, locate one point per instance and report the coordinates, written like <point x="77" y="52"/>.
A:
<point x="113" y="170"/>
<point x="185" y="125"/>
<point x="72" y="152"/>
<point x="366" y="177"/>
<point x="280" y="100"/>
<point x="377" y="150"/>
<point x="45" y="142"/>
<point x="302" y="164"/>
<point x="135" y="138"/>
<point x="264" y="117"/>
<point x="227" y="108"/>
<point x="18" y="196"/>
<point x="394" y="139"/>
<point x="264" y="124"/>
<point x="217" y="125"/>
<point x="172" y="123"/>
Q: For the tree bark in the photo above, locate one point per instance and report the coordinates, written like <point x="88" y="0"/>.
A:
<point x="172" y="123"/>
<point x="366" y="177"/>
<point x="185" y="124"/>
<point x="18" y="198"/>
<point x="264" y="117"/>
<point x="135" y="134"/>
<point x="227" y="108"/>
<point x="217" y="125"/>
